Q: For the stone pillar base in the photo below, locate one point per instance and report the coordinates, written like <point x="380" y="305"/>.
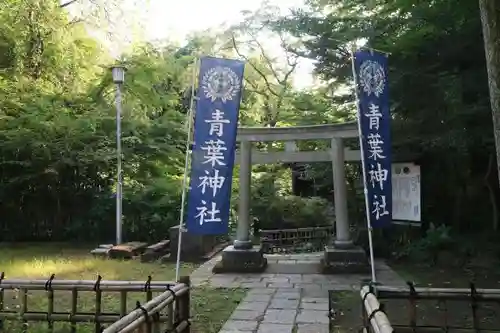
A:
<point x="351" y="260"/>
<point x="241" y="260"/>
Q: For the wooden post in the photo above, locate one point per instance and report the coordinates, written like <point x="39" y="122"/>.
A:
<point x="24" y="308"/>
<point x="74" y="307"/>
<point x="50" y="309"/>
<point x="2" y="276"/>
<point x="185" y="304"/>
<point x="98" y="304"/>
<point x="170" y="315"/>
<point x="149" y="297"/>
<point x="123" y="304"/>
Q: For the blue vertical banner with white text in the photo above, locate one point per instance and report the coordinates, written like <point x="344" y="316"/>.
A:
<point x="370" y="70"/>
<point x="215" y="127"/>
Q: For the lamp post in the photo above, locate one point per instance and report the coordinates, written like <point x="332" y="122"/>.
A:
<point x="118" y="73"/>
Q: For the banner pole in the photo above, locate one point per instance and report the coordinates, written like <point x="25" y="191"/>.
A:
<point x="365" y="187"/>
<point x="186" y="166"/>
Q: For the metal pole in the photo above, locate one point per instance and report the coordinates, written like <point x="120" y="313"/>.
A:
<point x="367" y="203"/>
<point x="119" y="164"/>
<point x="186" y="167"/>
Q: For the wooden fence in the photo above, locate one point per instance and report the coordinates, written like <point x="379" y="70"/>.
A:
<point x="166" y="312"/>
<point x="296" y="240"/>
<point x="443" y="319"/>
<point x="374" y="318"/>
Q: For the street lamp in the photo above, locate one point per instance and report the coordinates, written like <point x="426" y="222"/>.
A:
<point x="118" y="73"/>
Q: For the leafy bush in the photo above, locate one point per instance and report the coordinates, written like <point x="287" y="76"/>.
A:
<point x="437" y="239"/>
<point x="274" y="206"/>
<point x="296" y="212"/>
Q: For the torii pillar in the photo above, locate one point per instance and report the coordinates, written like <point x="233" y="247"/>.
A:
<point x="243" y="256"/>
<point x="341" y="256"/>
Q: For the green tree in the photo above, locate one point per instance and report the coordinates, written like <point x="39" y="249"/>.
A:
<point x="439" y="92"/>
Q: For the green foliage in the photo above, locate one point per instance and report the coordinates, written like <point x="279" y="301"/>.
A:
<point x="427" y="248"/>
<point x="274" y="207"/>
<point x="57" y="126"/>
<point x="437" y="52"/>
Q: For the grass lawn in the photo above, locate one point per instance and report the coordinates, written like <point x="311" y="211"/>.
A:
<point x="210" y="307"/>
<point x="347" y="306"/>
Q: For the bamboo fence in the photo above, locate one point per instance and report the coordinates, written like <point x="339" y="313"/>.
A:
<point x="374" y="318"/>
<point x="147" y="318"/>
<point x="376" y="321"/>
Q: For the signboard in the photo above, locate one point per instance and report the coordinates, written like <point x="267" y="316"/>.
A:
<point x="406" y="205"/>
<point x="374" y="119"/>
<point x="215" y="126"/>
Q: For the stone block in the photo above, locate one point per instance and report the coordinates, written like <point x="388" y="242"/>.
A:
<point x="258" y="298"/>
<point x="194" y="247"/>
<point x="289" y="294"/>
<point x="315" y="293"/>
<point x="100" y="252"/>
<point x="283" y="303"/>
<point x="247" y="315"/>
<point x="275" y="328"/>
<point x="252" y="285"/>
<point x="255" y="306"/>
<point x="315" y="300"/>
<point x="345" y="261"/>
<point x="280" y="316"/>
<point x="322" y="306"/>
<point x="261" y="291"/>
<point x="280" y="285"/>
<point x="239" y="325"/>
<point x="285" y="268"/>
<point x="241" y="260"/>
<point x="127" y="250"/>
<point x="312" y="328"/>
<point x="312" y="317"/>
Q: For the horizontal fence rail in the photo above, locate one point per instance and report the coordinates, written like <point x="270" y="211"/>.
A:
<point x="375" y="319"/>
<point x="147" y="318"/>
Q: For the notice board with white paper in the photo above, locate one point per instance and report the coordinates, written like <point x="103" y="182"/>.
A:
<point x="406" y="201"/>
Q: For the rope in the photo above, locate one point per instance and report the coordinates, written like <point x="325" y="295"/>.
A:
<point x="172" y="292"/>
<point x="147" y="285"/>
<point x="144" y="311"/>
<point x="48" y="284"/>
<point x="374" y="312"/>
<point x="97" y="285"/>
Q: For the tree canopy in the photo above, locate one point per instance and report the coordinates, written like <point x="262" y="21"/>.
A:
<point x="57" y="120"/>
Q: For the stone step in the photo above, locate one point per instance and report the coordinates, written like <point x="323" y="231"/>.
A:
<point x="294" y="267"/>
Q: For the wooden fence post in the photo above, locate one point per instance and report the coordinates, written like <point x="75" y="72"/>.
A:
<point x="2" y="276"/>
<point x="184" y="303"/>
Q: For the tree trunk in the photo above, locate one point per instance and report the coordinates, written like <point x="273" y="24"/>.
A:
<point x="491" y="192"/>
<point x="490" y="18"/>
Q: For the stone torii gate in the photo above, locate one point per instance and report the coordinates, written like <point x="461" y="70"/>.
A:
<point x="341" y="255"/>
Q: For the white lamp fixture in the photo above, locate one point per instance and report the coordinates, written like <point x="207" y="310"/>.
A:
<point x="118" y="73"/>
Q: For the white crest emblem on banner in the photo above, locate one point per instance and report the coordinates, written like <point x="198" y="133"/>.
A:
<point x="220" y="82"/>
<point x="372" y="78"/>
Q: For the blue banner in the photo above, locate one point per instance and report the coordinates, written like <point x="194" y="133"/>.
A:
<point x="215" y="126"/>
<point x="370" y="69"/>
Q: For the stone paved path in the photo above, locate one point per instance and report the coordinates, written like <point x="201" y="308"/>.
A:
<point x="272" y="310"/>
<point x="285" y="303"/>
